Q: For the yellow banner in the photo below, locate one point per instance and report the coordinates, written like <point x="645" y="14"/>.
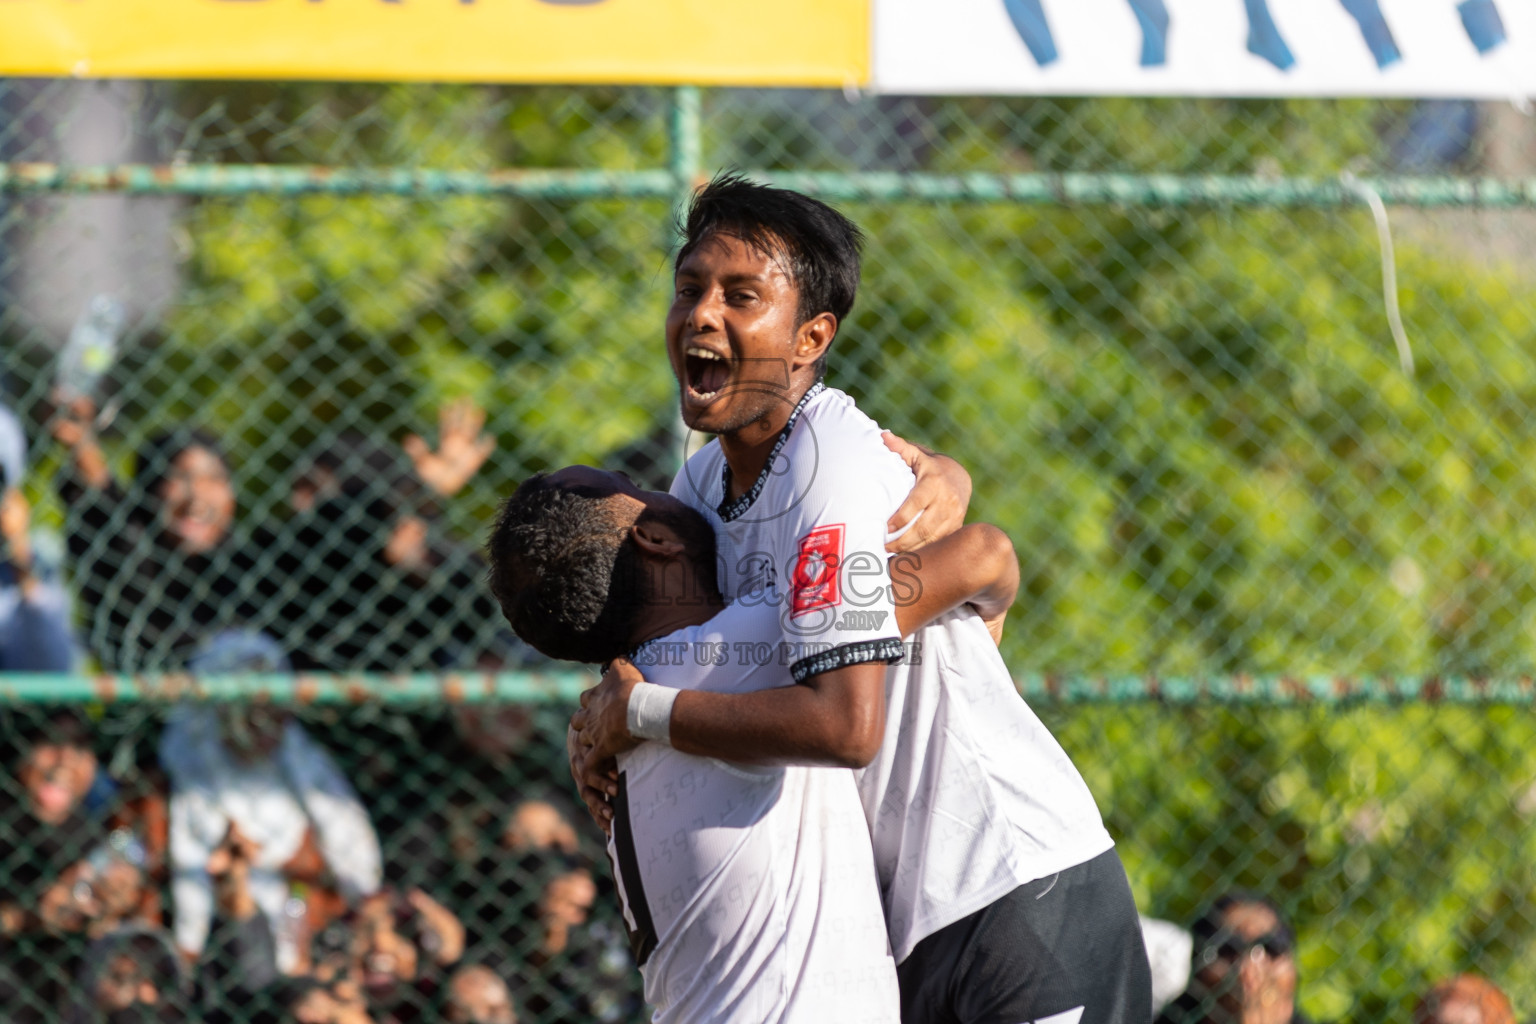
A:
<point x="707" y="42"/>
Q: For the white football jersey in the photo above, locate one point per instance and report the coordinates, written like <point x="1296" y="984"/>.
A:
<point x="749" y="892"/>
<point x="970" y="795"/>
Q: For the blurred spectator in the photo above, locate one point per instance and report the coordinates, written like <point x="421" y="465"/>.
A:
<point x="538" y="825"/>
<point x="1243" y="969"/>
<point x="57" y="817"/>
<point x="82" y="854"/>
<point x="132" y="974"/>
<point x="313" y="1002"/>
<point x="155" y="566"/>
<point x="378" y="591"/>
<point x="563" y="907"/>
<point x="101" y="892"/>
<point x="401" y="943"/>
<point x="34" y="611"/>
<point x="356" y="582"/>
<point x="462" y="450"/>
<point x="235" y="651"/>
<point x="239" y="964"/>
<point x="577" y="967"/>
<point x="1464" y="999"/>
<point x="477" y="995"/>
<point x="313" y="846"/>
<point x="468" y="836"/>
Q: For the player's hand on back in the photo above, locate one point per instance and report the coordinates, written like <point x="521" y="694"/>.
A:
<point x="602" y="729"/>
<point x="595" y="799"/>
<point x="939" y="499"/>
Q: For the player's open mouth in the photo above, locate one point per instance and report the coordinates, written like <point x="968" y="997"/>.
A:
<point x="705" y="373"/>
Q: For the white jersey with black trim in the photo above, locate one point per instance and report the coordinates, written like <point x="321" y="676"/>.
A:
<point x="809" y="536"/>
<point x="749" y="892"/>
<point x="970" y="795"/>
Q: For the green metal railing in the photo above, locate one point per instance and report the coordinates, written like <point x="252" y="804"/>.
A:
<point x="564" y="689"/>
<point x="685" y="165"/>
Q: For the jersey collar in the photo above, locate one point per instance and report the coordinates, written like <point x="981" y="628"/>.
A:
<point x="729" y="509"/>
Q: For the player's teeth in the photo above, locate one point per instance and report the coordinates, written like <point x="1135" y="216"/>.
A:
<point x="704" y="353"/>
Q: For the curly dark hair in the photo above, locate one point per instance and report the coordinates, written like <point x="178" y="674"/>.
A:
<point x="567" y="575"/>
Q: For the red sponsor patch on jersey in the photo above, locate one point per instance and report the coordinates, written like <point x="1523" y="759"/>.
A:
<point x="813" y="584"/>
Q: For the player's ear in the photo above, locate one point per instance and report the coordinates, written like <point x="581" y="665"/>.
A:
<point x="656" y="540"/>
<point x="813" y="338"/>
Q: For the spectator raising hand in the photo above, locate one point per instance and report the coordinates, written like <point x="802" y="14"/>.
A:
<point x="563" y="906"/>
<point x="158" y="561"/>
<point x="75" y="428"/>
<point x="442" y="931"/>
<point x="15" y="522"/>
<point x="461" y="448"/>
<point x="230" y="867"/>
<point x="537" y="825"/>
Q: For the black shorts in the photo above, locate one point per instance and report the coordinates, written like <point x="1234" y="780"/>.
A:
<point x="1061" y="950"/>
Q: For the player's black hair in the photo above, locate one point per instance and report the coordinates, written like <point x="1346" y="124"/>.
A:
<point x="820" y="246"/>
<point x="569" y="579"/>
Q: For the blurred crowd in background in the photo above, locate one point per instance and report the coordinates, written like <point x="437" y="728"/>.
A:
<point x="236" y="866"/>
<point x="357" y="578"/>
<point x="242" y="864"/>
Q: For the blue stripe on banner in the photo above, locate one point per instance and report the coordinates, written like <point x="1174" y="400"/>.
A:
<point x="1484" y="26"/>
<point x="1029" y="18"/>
<point x="1264" y="39"/>
<point x="1154" y="31"/>
<point x="1373" y="26"/>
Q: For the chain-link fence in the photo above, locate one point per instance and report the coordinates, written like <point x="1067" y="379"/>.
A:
<point x="1155" y="331"/>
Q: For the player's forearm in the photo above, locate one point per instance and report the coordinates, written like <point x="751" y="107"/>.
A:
<point x="836" y="719"/>
<point x="975" y="565"/>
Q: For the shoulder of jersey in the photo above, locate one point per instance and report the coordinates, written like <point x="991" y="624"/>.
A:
<point x="839" y="443"/>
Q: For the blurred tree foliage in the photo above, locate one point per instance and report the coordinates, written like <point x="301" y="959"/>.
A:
<point x="1191" y="421"/>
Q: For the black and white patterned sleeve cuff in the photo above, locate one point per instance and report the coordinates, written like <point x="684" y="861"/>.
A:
<point x="888" y="650"/>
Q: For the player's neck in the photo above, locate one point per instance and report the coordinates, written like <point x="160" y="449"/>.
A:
<point x="678" y="600"/>
<point x="747" y="450"/>
<point x="660" y="621"/>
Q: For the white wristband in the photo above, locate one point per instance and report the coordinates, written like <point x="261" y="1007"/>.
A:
<point x="649" y="713"/>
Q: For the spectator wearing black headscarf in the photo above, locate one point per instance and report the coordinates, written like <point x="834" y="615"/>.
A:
<point x="157" y="564"/>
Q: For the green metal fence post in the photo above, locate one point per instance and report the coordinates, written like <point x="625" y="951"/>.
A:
<point x="686" y="153"/>
<point x="685" y="136"/>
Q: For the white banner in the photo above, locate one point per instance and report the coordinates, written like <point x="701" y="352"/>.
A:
<point x="1472" y="49"/>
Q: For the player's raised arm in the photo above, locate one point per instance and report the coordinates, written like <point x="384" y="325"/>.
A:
<point x="831" y="718"/>
<point x="976" y="565"/>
